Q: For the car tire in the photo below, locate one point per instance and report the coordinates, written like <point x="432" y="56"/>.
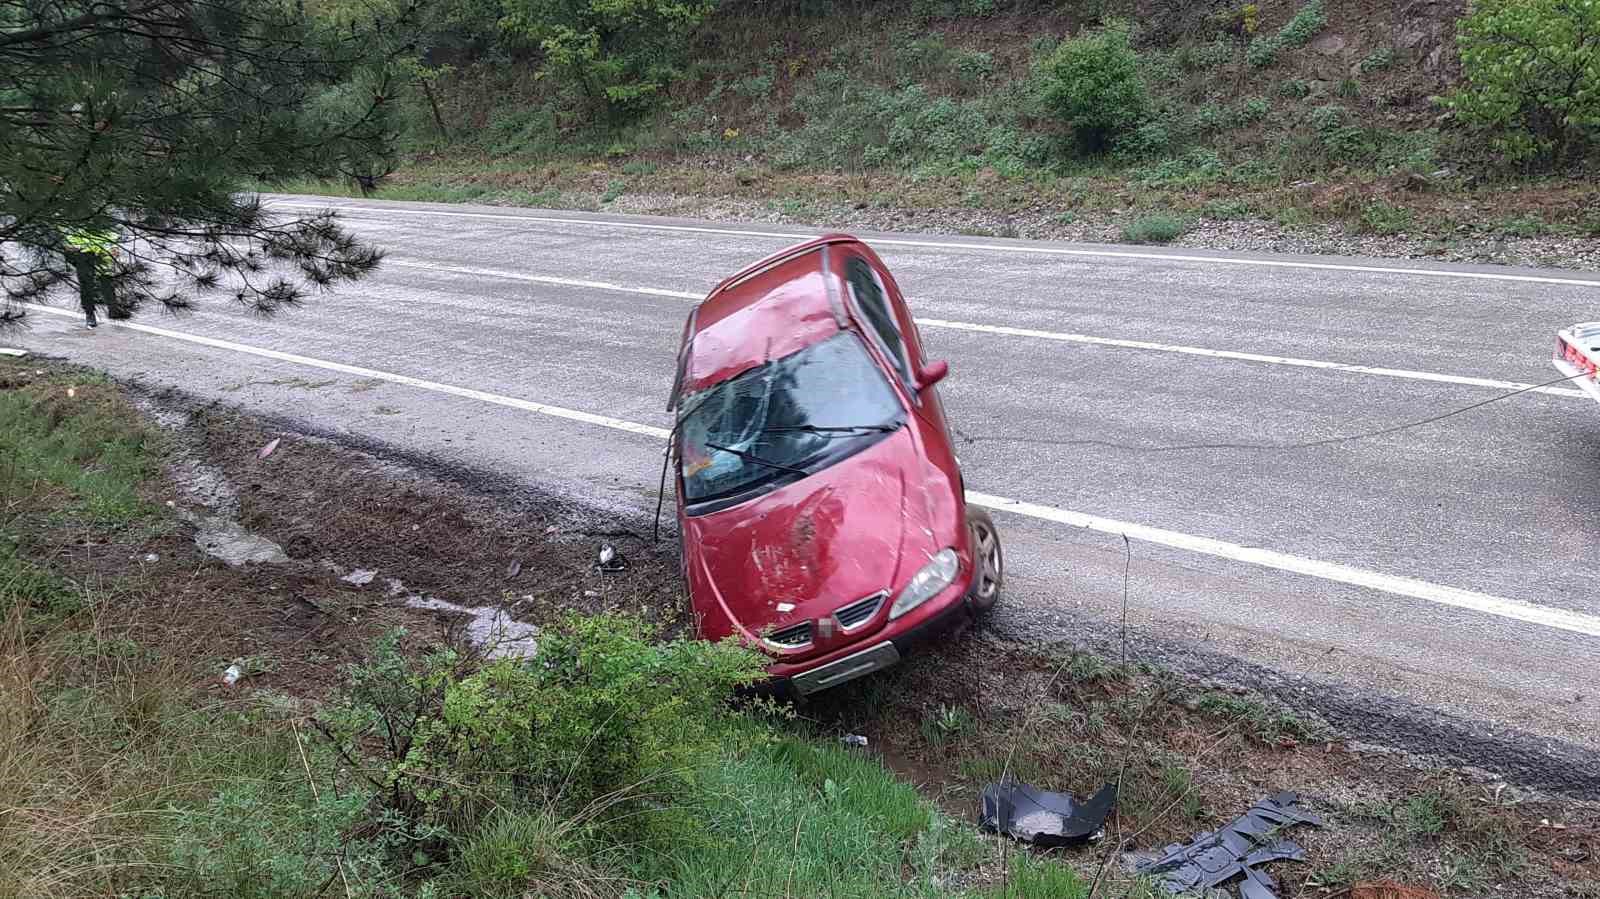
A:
<point x="988" y="560"/>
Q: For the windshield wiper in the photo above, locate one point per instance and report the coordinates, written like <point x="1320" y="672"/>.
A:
<point x="840" y="430"/>
<point x="752" y="457"/>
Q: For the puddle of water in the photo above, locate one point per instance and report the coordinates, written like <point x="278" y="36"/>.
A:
<point x="218" y="534"/>
<point x="489" y="627"/>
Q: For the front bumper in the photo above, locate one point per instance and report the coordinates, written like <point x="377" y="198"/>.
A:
<point x="882" y="650"/>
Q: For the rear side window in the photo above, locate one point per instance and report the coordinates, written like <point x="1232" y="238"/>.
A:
<point x="874" y="305"/>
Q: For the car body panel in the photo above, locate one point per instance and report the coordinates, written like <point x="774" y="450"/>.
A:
<point x="787" y="319"/>
<point x="860" y="527"/>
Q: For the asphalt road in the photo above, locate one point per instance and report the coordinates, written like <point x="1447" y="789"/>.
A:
<point x="1450" y="566"/>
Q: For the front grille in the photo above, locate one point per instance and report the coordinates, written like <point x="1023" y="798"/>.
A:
<point x="792" y="637"/>
<point x="859" y="612"/>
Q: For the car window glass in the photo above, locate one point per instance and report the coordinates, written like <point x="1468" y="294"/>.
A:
<point x="793" y="413"/>
<point x="874" y="305"/>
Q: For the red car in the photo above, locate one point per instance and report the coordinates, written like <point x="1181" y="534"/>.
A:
<point x="820" y="503"/>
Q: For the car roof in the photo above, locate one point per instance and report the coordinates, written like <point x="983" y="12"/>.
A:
<point x="781" y="305"/>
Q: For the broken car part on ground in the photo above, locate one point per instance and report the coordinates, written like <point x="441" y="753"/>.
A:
<point x="1044" y="819"/>
<point x="1216" y="857"/>
<point x="821" y="508"/>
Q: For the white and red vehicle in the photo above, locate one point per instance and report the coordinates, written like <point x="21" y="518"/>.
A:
<point x="1578" y="356"/>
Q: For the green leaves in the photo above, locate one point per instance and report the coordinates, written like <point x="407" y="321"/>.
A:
<point x="1092" y="84"/>
<point x="1533" y="76"/>
<point x="601" y="720"/>
<point x="144" y="119"/>
<point x="1296" y="33"/>
<point x="621" y="53"/>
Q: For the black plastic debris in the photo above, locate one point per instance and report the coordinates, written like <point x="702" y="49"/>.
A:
<point x="1217" y="857"/>
<point x="1045" y="819"/>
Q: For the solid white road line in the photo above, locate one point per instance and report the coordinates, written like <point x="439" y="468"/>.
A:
<point x="1515" y="610"/>
<point x="1254" y="357"/>
<point x="1003" y="330"/>
<point x="374" y="374"/>
<point x="546" y="279"/>
<point x="513" y="216"/>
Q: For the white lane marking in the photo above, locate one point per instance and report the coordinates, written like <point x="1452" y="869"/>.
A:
<point x="1517" y="610"/>
<point x="1253" y="357"/>
<point x="953" y="245"/>
<point x="587" y="418"/>
<point x="1322" y="364"/>
<point x="544" y="279"/>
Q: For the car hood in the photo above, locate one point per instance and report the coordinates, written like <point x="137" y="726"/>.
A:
<point x="803" y="550"/>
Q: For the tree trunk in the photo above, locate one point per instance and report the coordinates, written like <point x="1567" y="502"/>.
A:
<point x="433" y="103"/>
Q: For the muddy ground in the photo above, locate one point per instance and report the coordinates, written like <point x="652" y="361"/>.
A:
<point x="372" y="538"/>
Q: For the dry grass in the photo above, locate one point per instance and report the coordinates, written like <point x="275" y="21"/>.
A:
<point x="92" y="757"/>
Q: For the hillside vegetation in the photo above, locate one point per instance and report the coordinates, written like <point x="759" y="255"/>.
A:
<point x="1391" y="117"/>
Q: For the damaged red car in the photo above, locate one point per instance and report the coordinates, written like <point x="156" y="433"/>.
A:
<point x="820" y="502"/>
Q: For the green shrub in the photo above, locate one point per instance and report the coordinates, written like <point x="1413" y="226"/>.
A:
<point x="1145" y="141"/>
<point x="1205" y="56"/>
<point x="1295" y="88"/>
<point x="1381" y="58"/>
<point x="975" y="65"/>
<point x="519" y="129"/>
<point x="1209" y="117"/>
<point x="1252" y="110"/>
<point x="1092" y="84"/>
<point x="932" y="10"/>
<point x="259" y="840"/>
<point x="1340" y="138"/>
<point x="1304" y="26"/>
<point x="1532" y="71"/>
<point x="1197" y="167"/>
<point x="1524" y="226"/>
<point x="847" y="122"/>
<point x="1380" y="217"/>
<point x="1296" y="33"/>
<point x="1406" y="150"/>
<point x="1253" y="171"/>
<point x="1160" y="68"/>
<point x="602" y="719"/>
<point x="755" y="87"/>
<point x="622" y="54"/>
<point x="1226" y="210"/>
<point x="1159" y="227"/>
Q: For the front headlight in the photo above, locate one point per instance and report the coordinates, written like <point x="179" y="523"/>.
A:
<point x="927" y="583"/>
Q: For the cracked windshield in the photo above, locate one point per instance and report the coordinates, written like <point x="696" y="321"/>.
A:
<point x="789" y="416"/>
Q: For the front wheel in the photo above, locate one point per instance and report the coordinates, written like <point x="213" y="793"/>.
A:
<point x="988" y="561"/>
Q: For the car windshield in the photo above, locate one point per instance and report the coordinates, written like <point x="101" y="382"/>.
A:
<point x="788" y="417"/>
